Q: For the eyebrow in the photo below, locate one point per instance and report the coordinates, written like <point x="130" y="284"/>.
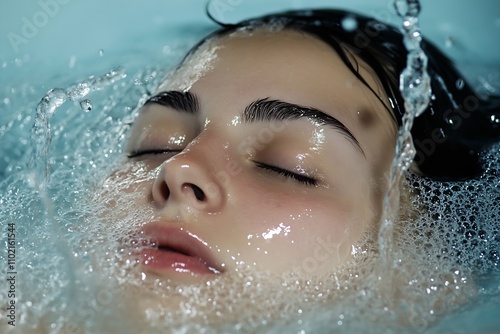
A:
<point x="260" y="110"/>
<point x="181" y="101"/>
<point x="276" y="110"/>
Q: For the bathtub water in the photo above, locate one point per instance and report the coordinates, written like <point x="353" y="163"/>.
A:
<point x="72" y="276"/>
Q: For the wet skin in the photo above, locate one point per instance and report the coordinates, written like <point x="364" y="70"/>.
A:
<point x="275" y="157"/>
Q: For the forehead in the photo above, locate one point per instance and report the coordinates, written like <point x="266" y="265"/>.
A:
<point x="278" y="58"/>
<point x="295" y="64"/>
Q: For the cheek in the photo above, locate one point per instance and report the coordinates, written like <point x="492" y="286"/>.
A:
<point x="297" y="234"/>
<point x="330" y="228"/>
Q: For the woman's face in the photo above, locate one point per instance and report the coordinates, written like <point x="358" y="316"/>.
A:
<point x="274" y="158"/>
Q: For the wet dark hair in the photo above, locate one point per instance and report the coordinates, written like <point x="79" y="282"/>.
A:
<point x="457" y="125"/>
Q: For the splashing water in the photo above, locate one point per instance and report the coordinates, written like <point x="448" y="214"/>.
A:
<point x="415" y="89"/>
<point x="41" y="136"/>
<point x="39" y="163"/>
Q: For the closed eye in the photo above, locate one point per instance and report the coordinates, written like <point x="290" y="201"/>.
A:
<point x="138" y="153"/>
<point x="309" y="181"/>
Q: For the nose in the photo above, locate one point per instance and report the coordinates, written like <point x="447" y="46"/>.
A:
<point x="185" y="180"/>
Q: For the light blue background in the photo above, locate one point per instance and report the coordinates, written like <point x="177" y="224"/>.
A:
<point x="79" y="29"/>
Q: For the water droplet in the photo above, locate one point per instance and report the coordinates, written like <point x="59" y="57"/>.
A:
<point x="349" y="23"/>
<point x="86" y="105"/>
<point x="460" y="83"/>
<point x="101" y="52"/>
<point x="495" y="119"/>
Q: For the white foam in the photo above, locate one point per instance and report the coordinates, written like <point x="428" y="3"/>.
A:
<point x="445" y="245"/>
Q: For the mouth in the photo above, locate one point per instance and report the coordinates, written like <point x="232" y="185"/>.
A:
<point x="172" y="249"/>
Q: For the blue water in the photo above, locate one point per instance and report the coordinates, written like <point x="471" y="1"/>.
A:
<point x="78" y="40"/>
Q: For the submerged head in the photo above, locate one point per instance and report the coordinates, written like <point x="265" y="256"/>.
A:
<point x="269" y="147"/>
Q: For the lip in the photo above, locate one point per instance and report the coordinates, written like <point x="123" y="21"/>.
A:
<point x="173" y="249"/>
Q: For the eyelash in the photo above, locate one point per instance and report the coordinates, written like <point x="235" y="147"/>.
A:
<point x="309" y="181"/>
<point x="136" y="154"/>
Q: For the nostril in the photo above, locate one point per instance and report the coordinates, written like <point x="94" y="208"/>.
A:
<point x="164" y="191"/>
<point x="200" y="195"/>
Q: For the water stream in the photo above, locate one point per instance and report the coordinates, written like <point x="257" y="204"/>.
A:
<point x="38" y="166"/>
<point x="41" y="136"/>
<point x="414" y="84"/>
